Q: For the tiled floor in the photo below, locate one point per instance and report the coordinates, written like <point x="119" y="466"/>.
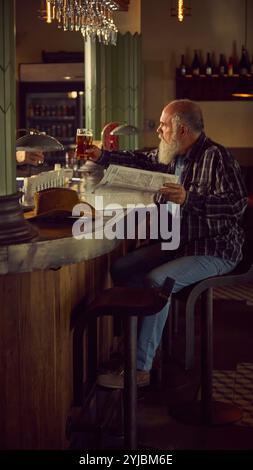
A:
<point x="233" y="382"/>
<point x="157" y="429"/>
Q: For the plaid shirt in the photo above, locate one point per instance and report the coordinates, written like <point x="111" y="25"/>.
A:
<point x="216" y="197"/>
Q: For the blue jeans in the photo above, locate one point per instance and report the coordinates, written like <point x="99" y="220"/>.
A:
<point x="153" y="265"/>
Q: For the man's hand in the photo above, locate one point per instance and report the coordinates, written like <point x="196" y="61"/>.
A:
<point x="173" y="192"/>
<point x="93" y="153"/>
<point x="29" y="158"/>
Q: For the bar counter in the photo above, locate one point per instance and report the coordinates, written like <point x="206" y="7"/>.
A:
<point x="41" y="283"/>
<point x="55" y="246"/>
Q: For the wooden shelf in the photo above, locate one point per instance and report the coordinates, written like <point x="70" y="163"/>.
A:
<point x="51" y="118"/>
<point x="214" y="88"/>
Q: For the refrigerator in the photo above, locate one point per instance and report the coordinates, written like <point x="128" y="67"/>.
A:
<point x="51" y="99"/>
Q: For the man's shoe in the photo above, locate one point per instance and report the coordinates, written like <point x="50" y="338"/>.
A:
<point x="117" y="380"/>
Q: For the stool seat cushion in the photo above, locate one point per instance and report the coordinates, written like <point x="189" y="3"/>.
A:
<point x="128" y="301"/>
<point x="243" y="268"/>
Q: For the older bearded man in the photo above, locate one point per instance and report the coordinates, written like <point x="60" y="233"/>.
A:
<point x="212" y="198"/>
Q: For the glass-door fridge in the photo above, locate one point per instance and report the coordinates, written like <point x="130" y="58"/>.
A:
<point x="51" y="100"/>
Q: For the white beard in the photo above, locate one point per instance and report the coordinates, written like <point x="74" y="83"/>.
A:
<point x="167" y="151"/>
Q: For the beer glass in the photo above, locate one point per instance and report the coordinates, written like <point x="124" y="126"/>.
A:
<point x="84" y="139"/>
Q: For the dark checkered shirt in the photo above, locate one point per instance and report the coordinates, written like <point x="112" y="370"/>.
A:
<point x="216" y="197"/>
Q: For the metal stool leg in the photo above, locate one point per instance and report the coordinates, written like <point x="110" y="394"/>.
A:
<point x="212" y="412"/>
<point x="189" y="335"/>
<point x="130" y="383"/>
<point x="175" y="316"/>
<point x="206" y="355"/>
<point x="169" y="329"/>
<point x="206" y="412"/>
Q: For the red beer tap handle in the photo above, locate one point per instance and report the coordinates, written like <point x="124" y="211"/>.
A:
<point x="110" y="142"/>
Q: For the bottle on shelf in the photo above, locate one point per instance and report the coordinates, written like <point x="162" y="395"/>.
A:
<point x="30" y="110"/>
<point x="230" y="67"/>
<point x="37" y="110"/>
<point x="42" y="110"/>
<point x="70" y="130"/>
<point x="208" y="65"/>
<point x="243" y="65"/>
<point x="53" y="111"/>
<point x="64" y="131"/>
<point x="47" y="111"/>
<point x="223" y="69"/>
<point x="58" y="131"/>
<point x="195" y="65"/>
<point x="61" y="110"/>
<point x="183" y="67"/>
<point x="64" y="110"/>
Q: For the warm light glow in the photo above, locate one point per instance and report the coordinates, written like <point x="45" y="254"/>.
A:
<point x="67" y="78"/>
<point x="243" y="95"/>
<point x="180" y="14"/>
<point x="20" y="156"/>
<point x="49" y="16"/>
<point x="72" y="94"/>
<point x="180" y="9"/>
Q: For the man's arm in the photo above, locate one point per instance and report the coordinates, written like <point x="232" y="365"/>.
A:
<point x="229" y="199"/>
<point x="135" y="159"/>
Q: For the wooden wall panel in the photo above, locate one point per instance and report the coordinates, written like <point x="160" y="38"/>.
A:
<point x="10" y="400"/>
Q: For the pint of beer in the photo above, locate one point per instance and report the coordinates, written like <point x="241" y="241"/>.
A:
<point x="84" y="139"/>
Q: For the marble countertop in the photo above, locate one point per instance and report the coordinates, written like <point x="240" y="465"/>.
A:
<point x="54" y="247"/>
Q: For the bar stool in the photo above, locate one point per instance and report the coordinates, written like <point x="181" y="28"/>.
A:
<point x="128" y="304"/>
<point x="207" y="412"/>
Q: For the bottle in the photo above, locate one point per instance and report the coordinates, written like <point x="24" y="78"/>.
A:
<point x="195" y="64"/>
<point x="70" y="131"/>
<point x="182" y="66"/>
<point x="230" y="67"/>
<point x="42" y="110"/>
<point x="208" y="66"/>
<point x="64" y="131"/>
<point x="222" y="65"/>
<point x="30" y="111"/>
<point x="53" y="111"/>
<point x="36" y="110"/>
<point x="243" y="65"/>
<point x="64" y="110"/>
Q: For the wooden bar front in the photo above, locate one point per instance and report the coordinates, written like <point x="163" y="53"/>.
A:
<point x="36" y="349"/>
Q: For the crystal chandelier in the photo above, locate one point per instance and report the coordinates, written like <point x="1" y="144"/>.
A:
<point x="93" y="18"/>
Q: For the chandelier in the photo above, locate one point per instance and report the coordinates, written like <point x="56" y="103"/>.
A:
<point x="93" y="18"/>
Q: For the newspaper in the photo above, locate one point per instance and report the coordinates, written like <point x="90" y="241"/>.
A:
<point x="123" y="185"/>
<point x="134" y="178"/>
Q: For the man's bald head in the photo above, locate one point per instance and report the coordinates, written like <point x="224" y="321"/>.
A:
<point x="186" y="112"/>
<point x="181" y="124"/>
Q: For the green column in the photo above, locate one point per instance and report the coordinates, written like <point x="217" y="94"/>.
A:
<point x="113" y="86"/>
<point x="92" y="97"/>
<point x="7" y="98"/>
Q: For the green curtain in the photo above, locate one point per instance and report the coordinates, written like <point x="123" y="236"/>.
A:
<point x="113" y="86"/>
<point x="7" y="98"/>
